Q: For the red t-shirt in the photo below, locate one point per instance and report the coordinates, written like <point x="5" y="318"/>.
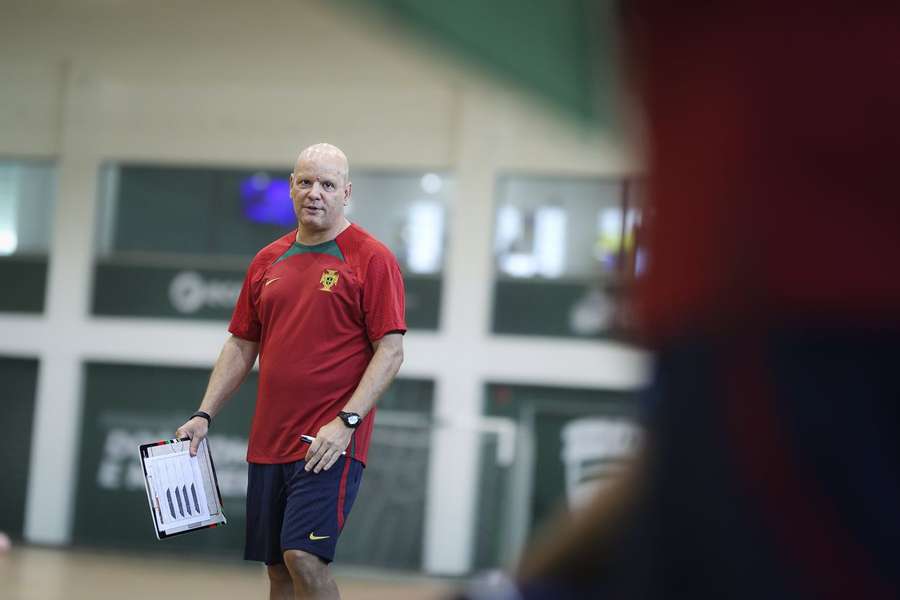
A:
<point x="315" y="311"/>
<point x="773" y="145"/>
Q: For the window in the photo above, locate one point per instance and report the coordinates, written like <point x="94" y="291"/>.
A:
<point x="175" y="241"/>
<point x="564" y="248"/>
<point x="27" y="193"/>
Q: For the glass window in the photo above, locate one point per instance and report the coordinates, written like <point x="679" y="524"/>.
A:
<point x="563" y="249"/>
<point x="27" y="193"/>
<point x="175" y="241"/>
<point x="406" y="212"/>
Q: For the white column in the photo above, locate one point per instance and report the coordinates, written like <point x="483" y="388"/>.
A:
<point x="54" y="449"/>
<point x="450" y="515"/>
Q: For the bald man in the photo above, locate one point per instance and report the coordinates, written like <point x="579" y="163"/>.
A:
<point x="323" y="308"/>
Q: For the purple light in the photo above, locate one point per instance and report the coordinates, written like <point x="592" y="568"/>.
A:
<point x="268" y="201"/>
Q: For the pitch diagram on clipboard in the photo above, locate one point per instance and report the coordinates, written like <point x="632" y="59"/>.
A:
<point x="182" y="490"/>
<point x="178" y="487"/>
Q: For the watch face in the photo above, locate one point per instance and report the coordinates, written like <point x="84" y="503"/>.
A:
<point x="353" y="419"/>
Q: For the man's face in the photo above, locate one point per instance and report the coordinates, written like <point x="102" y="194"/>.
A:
<point x="319" y="191"/>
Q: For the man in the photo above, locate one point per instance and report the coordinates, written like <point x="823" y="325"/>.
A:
<point x="323" y="307"/>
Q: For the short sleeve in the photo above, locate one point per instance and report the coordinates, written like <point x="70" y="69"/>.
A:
<point x="384" y="302"/>
<point x="245" y="322"/>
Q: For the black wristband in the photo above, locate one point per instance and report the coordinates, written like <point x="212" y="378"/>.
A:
<point x="205" y="415"/>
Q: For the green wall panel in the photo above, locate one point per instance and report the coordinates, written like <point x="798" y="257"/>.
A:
<point x="423" y="301"/>
<point x="543" y="307"/>
<point x="19" y="381"/>
<point x="126" y="405"/>
<point x="25" y="283"/>
<point x="187" y="210"/>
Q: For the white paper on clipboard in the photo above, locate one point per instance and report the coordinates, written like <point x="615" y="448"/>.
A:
<point x="182" y="490"/>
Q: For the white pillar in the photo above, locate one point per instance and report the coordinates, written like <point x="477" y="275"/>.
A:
<point x="57" y="420"/>
<point x="450" y="513"/>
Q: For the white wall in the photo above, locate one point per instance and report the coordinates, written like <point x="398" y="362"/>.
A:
<point x="250" y="83"/>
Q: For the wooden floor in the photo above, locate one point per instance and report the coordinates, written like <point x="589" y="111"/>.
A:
<point x="30" y="573"/>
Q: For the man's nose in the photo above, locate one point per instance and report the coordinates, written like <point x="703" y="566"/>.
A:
<point x="316" y="189"/>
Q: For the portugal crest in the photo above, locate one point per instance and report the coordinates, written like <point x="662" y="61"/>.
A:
<point x="329" y="280"/>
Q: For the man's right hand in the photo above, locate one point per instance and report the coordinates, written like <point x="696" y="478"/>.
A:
<point x="195" y="429"/>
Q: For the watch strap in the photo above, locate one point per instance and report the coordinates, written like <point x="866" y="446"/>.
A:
<point x="204" y="415"/>
<point x="345" y="417"/>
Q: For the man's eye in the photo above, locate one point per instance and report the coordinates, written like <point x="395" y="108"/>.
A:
<point x="329" y="185"/>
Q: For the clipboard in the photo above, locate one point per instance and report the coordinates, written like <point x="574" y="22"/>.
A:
<point x="182" y="491"/>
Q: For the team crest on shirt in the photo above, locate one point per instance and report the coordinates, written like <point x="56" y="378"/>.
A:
<point x="329" y="280"/>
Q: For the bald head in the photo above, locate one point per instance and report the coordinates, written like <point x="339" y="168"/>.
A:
<point x="327" y="154"/>
<point x="320" y="191"/>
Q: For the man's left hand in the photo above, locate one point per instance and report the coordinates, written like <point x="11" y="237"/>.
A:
<point x="331" y="440"/>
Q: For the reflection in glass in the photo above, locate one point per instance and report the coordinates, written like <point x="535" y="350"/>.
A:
<point x="565" y="249"/>
<point x="26" y="207"/>
<point x="425" y="240"/>
<point x="557" y="228"/>
<point x="531" y="244"/>
<point x="155" y="210"/>
<point x="609" y="237"/>
<point x="9" y="241"/>
<point x="267" y="200"/>
<point x="549" y="240"/>
<point x="408" y="213"/>
<point x="27" y="194"/>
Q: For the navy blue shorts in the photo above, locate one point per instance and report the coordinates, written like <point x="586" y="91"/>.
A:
<point x="290" y="509"/>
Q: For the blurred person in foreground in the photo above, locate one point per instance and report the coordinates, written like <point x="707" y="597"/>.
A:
<point x="772" y="302"/>
<point x="323" y="307"/>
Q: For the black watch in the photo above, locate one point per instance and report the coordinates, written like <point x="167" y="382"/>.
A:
<point x="351" y="420"/>
<point x="204" y="415"/>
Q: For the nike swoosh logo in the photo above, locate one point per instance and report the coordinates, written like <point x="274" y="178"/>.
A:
<point x="315" y="538"/>
<point x="268" y="281"/>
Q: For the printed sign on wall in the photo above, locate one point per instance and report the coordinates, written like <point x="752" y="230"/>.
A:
<point x="123" y="288"/>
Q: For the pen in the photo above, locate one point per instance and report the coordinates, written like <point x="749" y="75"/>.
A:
<point x="310" y="439"/>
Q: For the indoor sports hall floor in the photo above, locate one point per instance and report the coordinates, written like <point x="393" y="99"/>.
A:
<point x="31" y="573"/>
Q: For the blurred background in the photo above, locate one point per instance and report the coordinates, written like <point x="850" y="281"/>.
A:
<point x="144" y="155"/>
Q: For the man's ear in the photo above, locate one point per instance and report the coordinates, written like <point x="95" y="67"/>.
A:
<point x="348" y="190"/>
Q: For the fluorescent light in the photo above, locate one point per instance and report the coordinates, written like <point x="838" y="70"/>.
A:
<point x="431" y="183"/>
